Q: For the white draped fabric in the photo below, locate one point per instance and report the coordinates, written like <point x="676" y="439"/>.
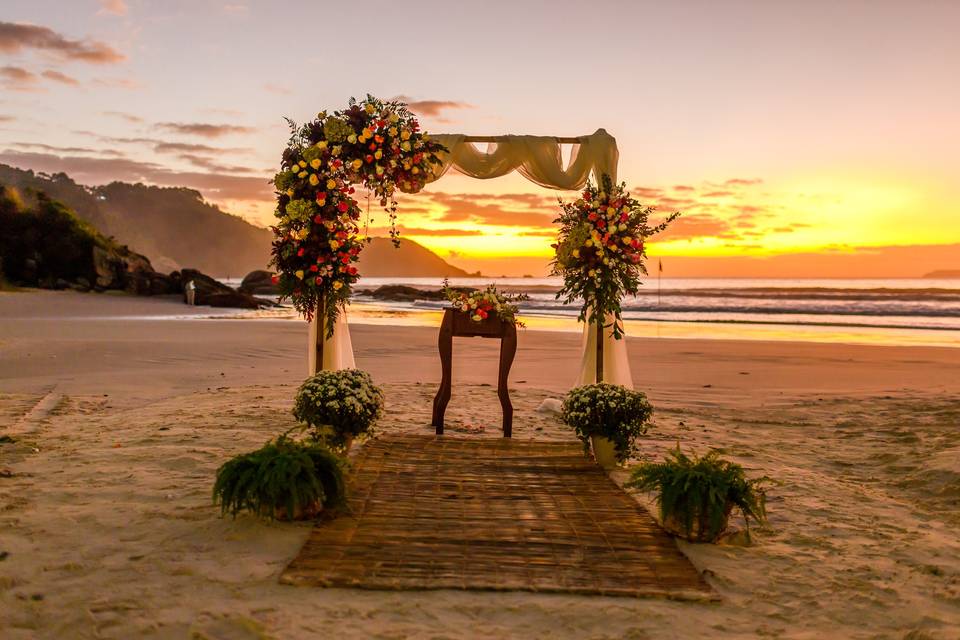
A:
<point x="537" y="158"/>
<point x="337" y="349"/>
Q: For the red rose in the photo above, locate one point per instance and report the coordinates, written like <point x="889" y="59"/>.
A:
<point x="352" y="271"/>
<point x="345" y="259"/>
<point x="319" y="280"/>
<point x="317" y="219"/>
<point x="342" y="206"/>
<point x="369" y="158"/>
<point x="373" y="146"/>
<point x="592" y="216"/>
<point x="275" y="279"/>
<point x="300" y="252"/>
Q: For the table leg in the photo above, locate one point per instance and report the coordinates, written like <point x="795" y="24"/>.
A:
<point x="508" y="349"/>
<point x="445" y="345"/>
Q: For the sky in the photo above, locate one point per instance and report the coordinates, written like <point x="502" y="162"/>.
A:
<point x="797" y="138"/>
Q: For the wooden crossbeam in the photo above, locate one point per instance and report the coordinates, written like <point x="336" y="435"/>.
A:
<point x="559" y="139"/>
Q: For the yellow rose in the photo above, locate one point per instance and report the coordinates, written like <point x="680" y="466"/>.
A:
<point x="357" y="163"/>
<point x="352" y="138"/>
<point x="379" y="170"/>
<point x="321" y="145"/>
<point x="576" y="253"/>
<point x="405" y="134"/>
<point x="611" y="211"/>
<point x="290" y="192"/>
<point x="378" y="154"/>
<point x="314" y="180"/>
<point x="415" y="170"/>
<point x="299" y="274"/>
<point x="392" y="131"/>
<point x="315" y="163"/>
<point x="627" y="240"/>
<point x="393" y="118"/>
<point x="405" y="146"/>
<point x="622" y="227"/>
<point x="303" y="164"/>
<point x="367" y="133"/>
<point x="331" y="184"/>
<point x="591" y="273"/>
<point x="334" y="245"/>
<point x="336" y="150"/>
<point x="337" y="284"/>
<point x="302" y="174"/>
<point x="588" y="243"/>
<point x="370" y="108"/>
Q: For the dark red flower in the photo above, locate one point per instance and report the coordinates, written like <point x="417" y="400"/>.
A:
<point x="275" y="279"/>
<point x="342" y="206"/>
<point x="300" y="252"/>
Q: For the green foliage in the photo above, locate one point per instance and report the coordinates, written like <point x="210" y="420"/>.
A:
<point x="45" y="241"/>
<point x="283" y="474"/>
<point x="338" y="405"/>
<point x="608" y="410"/>
<point x="698" y="493"/>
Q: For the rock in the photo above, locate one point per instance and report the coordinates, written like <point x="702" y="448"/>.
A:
<point x="60" y="284"/>
<point x="550" y="405"/>
<point x="402" y="293"/>
<point x="212" y="293"/>
<point x="259" y="283"/>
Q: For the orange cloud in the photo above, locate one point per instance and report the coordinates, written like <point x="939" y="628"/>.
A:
<point x="18" y="79"/>
<point x="62" y="78"/>
<point x="202" y="129"/>
<point x="434" y="108"/>
<point x="113" y="7"/>
<point x="15" y="37"/>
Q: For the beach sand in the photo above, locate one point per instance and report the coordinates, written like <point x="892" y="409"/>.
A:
<point x="121" y="421"/>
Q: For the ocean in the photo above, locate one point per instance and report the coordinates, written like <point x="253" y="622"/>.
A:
<point x="875" y="311"/>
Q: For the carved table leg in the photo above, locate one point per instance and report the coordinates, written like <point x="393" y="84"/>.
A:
<point x="508" y="348"/>
<point x="445" y="345"/>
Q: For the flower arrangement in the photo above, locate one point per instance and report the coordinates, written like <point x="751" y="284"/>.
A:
<point x="609" y="411"/>
<point x="339" y="405"/>
<point x="373" y="143"/>
<point x="480" y="305"/>
<point x="600" y="249"/>
<point x="697" y="494"/>
<point x="284" y="480"/>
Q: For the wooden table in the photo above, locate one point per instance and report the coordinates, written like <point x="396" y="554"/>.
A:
<point x="458" y="324"/>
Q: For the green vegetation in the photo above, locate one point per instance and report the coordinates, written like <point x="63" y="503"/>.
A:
<point x="44" y="241"/>
<point x="284" y="479"/>
<point x="609" y="411"/>
<point x="697" y="494"/>
<point x="339" y="405"/>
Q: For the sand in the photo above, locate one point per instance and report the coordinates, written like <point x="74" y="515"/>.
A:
<point x="120" y="422"/>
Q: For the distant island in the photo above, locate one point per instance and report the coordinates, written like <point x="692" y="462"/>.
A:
<point x="943" y="274"/>
<point x="175" y="228"/>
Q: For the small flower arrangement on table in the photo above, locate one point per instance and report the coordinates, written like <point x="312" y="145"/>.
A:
<point x="480" y="305"/>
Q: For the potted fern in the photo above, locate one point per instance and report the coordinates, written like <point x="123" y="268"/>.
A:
<point x="696" y="495"/>
<point x="608" y="418"/>
<point x="338" y="406"/>
<point x="283" y="480"/>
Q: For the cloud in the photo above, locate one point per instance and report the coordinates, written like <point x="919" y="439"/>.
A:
<point x="6" y="118"/>
<point x="94" y="171"/>
<point x="683" y="187"/>
<point x="188" y="147"/>
<point x="276" y="88"/>
<point x="117" y="83"/>
<point x="15" y="37"/>
<point x="203" y="130"/>
<point x="47" y="147"/>
<point x="113" y="7"/>
<point x="62" y="78"/>
<point x="18" y="79"/>
<point x="471" y="207"/>
<point x="236" y="9"/>
<point x="212" y="165"/>
<point x="434" y="108"/>
<point x="697" y="225"/>
<point x="129" y="117"/>
<point x="716" y="194"/>
<point x="742" y="182"/>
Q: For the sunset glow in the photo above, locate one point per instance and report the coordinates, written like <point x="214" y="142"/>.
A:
<point x="839" y="148"/>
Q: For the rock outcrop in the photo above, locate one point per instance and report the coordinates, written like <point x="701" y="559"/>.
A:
<point x="259" y="283"/>
<point x="213" y="293"/>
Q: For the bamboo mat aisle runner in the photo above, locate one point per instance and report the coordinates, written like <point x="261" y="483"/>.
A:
<point x="491" y="514"/>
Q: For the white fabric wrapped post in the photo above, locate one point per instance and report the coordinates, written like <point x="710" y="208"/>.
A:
<point x="337" y="349"/>
<point x="616" y="364"/>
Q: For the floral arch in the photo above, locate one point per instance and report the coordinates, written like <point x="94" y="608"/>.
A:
<point x="379" y="145"/>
